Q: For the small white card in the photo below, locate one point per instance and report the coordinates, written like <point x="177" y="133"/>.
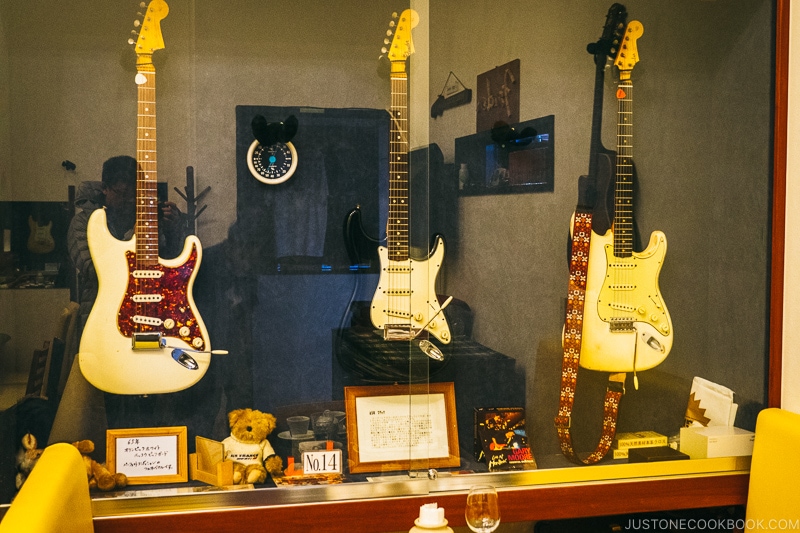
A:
<point x="322" y="462"/>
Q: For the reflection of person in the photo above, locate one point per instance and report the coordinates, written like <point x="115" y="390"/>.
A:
<point x="117" y="193"/>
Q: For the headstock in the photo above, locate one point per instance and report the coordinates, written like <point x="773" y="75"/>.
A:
<point x="608" y="45"/>
<point x="628" y="54"/>
<point x="149" y="33"/>
<point x="401" y="45"/>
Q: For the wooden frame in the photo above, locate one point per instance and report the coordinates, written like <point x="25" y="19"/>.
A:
<point x="142" y="450"/>
<point x="384" y="399"/>
<point x="778" y="227"/>
<point x="537" y="503"/>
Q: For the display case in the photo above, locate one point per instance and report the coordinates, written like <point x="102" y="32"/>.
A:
<point x="355" y="256"/>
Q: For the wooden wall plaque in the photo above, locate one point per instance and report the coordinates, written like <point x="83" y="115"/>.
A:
<point x="498" y="96"/>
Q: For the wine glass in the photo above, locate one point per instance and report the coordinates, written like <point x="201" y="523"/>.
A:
<point x="482" y="513"/>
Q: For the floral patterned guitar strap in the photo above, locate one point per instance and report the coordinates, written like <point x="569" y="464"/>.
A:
<point x="579" y="261"/>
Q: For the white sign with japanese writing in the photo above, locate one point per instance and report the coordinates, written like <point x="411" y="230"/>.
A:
<point x="397" y="427"/>
<point x="147" y="456"/>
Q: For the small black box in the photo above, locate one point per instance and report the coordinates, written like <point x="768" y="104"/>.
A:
<point x="654" y="453"/>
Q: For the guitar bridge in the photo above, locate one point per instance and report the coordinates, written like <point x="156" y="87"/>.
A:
<point x="398" y="332"/>
<point x="621" y="325"/>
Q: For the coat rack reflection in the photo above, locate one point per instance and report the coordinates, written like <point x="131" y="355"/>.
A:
<point x="192" y="213"/>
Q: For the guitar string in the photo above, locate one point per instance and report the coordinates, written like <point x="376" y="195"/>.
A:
<point x="397" y="229"/>
<point x="627" y="104"/>
<point x="146" y="218"/>
<point x="623" y="236"/>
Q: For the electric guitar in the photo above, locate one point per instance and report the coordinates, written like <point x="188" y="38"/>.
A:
<point x="40" y="239"/>
<point x="405" y="301"/>
<point x="596" y="190"/>
<point x="626" y="325"/>
<point x="143" y="334"/>
<point x="595" y="207"/>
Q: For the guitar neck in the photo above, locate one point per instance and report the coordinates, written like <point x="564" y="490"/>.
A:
<point x="147" y="172"/>
<point x="623" y="193"/>
<point x="596" y="144"/>
<point x="397" y="225"/>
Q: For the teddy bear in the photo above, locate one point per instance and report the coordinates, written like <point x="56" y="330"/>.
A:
<point x="97" y="474"/>
<point x="27" y="457"/>
<point x="248" y="448"/>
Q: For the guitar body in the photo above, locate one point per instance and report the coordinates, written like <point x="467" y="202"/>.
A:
<point x="398" y="301"/>
<point x="629" y="328"/>
<point x="127" y="303"/>
<point x="605" y="179"/>
<point x="361" y="247"/>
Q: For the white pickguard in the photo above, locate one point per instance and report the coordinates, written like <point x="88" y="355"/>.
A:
<point x="406" y="294"/>
<point x="637" y="300"/>
<point x="107" y="358"/>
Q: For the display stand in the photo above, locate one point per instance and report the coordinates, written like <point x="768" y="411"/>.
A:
<point x="518" y="504"/>
<point x="207" y="464"/>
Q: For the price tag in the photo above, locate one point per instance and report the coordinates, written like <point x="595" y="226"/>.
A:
<point x="322" y="462"/>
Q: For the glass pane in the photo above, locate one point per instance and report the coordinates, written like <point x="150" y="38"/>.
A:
<point x="401" y="222"/>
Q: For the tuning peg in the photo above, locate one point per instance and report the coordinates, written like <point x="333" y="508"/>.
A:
<point x="136" y="23"/>
<point x="388" y="33"/>
<point x="131" y="41"/>
<point x="143" y="5"/>
<point x="392" y="24"/>
<point x="394" y="14"/>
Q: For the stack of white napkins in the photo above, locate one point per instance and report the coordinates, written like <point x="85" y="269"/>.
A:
<point x="710" y="404"/>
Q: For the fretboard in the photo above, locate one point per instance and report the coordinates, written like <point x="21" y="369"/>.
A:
<point x="623" y="195"/>
<point x="147" y="174"/>
<point x="397" y="224"/>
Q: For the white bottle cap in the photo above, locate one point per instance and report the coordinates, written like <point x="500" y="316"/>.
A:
<point x="431" y="515"/>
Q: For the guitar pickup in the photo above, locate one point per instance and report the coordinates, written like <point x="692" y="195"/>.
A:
<point x="147" y="320"/>
<point x="146" y="298"/>
<point x="622" y="307"/>
<point x="398" y="292"/>
<point x="622" y="287"/>
<point x="147" y="274"/>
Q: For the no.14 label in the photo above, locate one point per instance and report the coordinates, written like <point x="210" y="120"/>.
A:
<point x="322" y="462"/>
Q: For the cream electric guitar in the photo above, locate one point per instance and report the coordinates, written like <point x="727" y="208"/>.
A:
<point x="405" y="301"/>
<point x="143" y="335"/>
<point x="630" y="328"/>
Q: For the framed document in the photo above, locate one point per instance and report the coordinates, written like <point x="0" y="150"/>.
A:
<point x="389" y="427"/>
<point x="148" y="455"/>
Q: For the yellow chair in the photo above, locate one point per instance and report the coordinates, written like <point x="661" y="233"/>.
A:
<point x="773" y="497"/>
<point x="55" y="497"/>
